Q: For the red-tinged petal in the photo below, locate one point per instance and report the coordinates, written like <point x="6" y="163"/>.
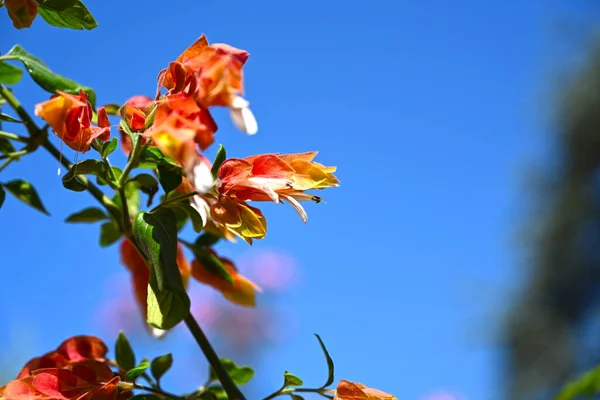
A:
<point x="52" y="359"/>
<point x="53" y="382"/>
<point x="356" y="391"/>
<point x="79" y="348"/>
<point x="103" y="121"/>
<point x="239" y="54"/>
<point x="93" y="371"/>
<point x="20" y="389"/>
<point x="233" y="172"/>
<point x="271" y="166"/>
<point x="195" y="49"/>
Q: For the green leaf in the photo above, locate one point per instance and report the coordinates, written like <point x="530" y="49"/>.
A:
<point x="169" y="179"/>
<point x="132" y="374"/>
<point x="296" y="397"/>
<point x="85" y="167"/>
<point x="587" y="384"/>
<point x="145" y="181"/>
<point x="66" y="14"/>
<point x="330" y="368"/>
<point x="239" y="375"/>
<point x="132" y="194"/>
<point x="108" y="147"/>
<point x="217" y="391"/>
<point x="45" y="78"/>
<point x="134" y="137"/>
<point x="6" y="146"/>
<point x="124" y="353"/>
<point x="109" y="233"/>
<point x="212" y="264"/>
<point x="91" y="214"/>
<point x="160" y="365"/>
<point x="112" y="108"/>
<point x="2" y="196"/>
<point x="10" y="74"/>
<point x="291" y="380"/>
<point x="219" y="158"/>
<point x="153" y="157"/>
<point x="191" y="212"/>
<point x="156" y="234"/>
<point x="25" y="192"/>
<point x="207" y="240"/>
<point x="8" y="118"/>
<point x="144" y="397"/>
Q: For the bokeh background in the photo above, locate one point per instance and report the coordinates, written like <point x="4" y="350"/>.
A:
<point x="459" y="258"/>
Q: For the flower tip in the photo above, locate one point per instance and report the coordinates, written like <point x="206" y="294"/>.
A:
<point x="157" y="333"/>
<point x="242" y="116"/>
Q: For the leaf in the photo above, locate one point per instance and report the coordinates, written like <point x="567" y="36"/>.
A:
<point x="109" y="233"/>
<point x="45" y="78"/>
<point x="152" y="157"/>
<point x="66" y="14"/>
<point x="10" y="74"/>
<point x="217" y="391"/>
<point x="6" y="146"/>
<point x="219" y="158"/>
<point x="91" y="214"/>
<point x="132" y="195"/>
<point x="291" y="380"/>
<point x="191" y="212"/>
<point x="85" y="167"/>
<point x="2" y="196"/>
<point x="239" y="375"/>
<point x="207" y="240"/>
<point x="145" y="181"/>
<point x="296" y="397"/>
<point x="212" y="264"/>
<point x="25" y="192"/>
<point x="8" y="118"/>
<point x="330" y="368"/>
<point x="132" y="374"/>
<point x="169" y="179"/>
<point x="133" y="137"/>
<point x="108" y="147"/>
<point x="587" y="384"/>
<point x="112" y="108"/>
<point x="124" y="353"/>
<point x="156" y="234"/>
<point x="160" y="365"/>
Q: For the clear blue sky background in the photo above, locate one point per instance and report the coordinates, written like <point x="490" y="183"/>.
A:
<point x="430" y="110"/>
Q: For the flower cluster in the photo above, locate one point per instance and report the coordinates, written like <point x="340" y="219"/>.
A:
<point x="77" y="369"/>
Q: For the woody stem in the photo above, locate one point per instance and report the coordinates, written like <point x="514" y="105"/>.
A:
<point x="233" y="392"/>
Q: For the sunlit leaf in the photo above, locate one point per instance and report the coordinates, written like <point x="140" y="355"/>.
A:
<point x="587" y="385"/>
<point x="156" y="234"/>
<point x="108" y="147"/>
<point x="66" y="14"/>
<point x="45" y="78"/>
<point x="91" y="214"/>
<point x="132" y="374"/>
<point x="291" y="380"/>
<point x="10" y="74"/>
<point x="219" y="158"/>
<point x="8" y="118"/>
<point x="25" y="192"/>
<point x="124" y="354"/>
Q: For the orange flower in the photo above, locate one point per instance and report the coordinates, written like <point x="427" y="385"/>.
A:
<point x="239" y="218"/>
<point x="180" y="112"/>
<point x="83" y="380"/>
<point x="71" y="120"/>
<point x="140" y="273"/>
<point x="275" y="177"/>
<point x="21" y="12"/>
<point x="357" y="391"/>
<point x="242" y="291"/>
<point x="72" y="350"/>
<point x="212" y="74"/>
<point x="77" y="369"/>
<point x="134" y="113"/>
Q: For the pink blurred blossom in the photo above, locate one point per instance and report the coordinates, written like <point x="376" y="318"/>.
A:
<point x="270" y="269"/>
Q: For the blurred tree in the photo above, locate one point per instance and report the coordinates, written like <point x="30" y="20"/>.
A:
<point x="547" y="328"/>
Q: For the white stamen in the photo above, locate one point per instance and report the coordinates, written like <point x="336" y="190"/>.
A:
<point x="242" y="117"/>
<point x="297" y="206"/>
<point x="200" y="205"/>
<point x="201" y="177"/>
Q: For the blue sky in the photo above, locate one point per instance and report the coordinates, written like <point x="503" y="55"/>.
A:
<point x="431" y="111"/>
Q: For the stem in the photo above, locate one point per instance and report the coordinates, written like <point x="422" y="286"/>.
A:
<point x="110" y="206"/>
<point x="14" y="154"/>
<point x="21" y="112"/>
<point x="233" y="392"/>
<point x="158" y="391"/>
<point x="12" y="136"/>
<point x="174" y="199"/>
<point x="126" y="222"/>
<point x="6" y="163"/>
